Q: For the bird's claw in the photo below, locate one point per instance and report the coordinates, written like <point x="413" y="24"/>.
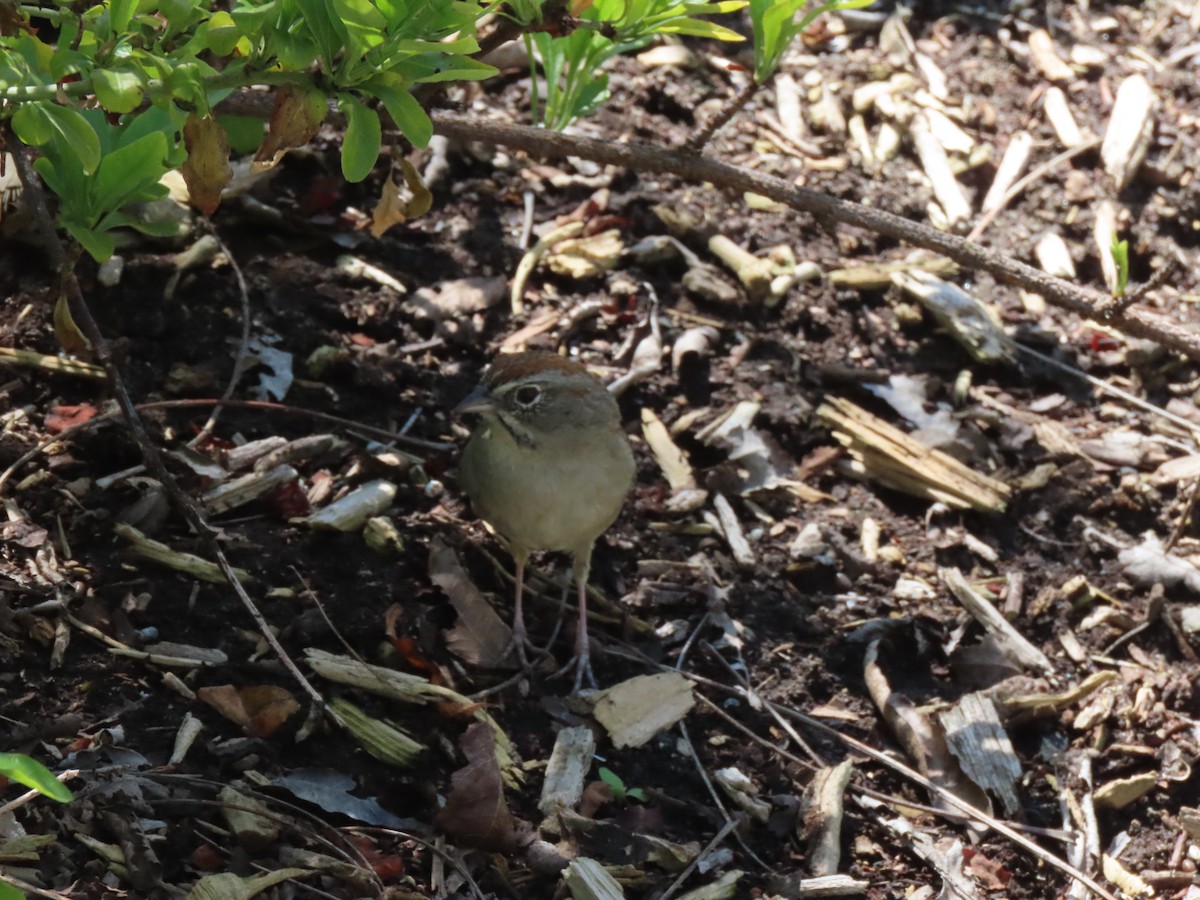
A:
<point x="523" y="647"/>
<point x="582" y="666"/>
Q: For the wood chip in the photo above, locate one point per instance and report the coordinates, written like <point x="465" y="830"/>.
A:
<point x="636" y="710"/>
<point x="978" y="740"/>
<point x="1012" y="643"/>
<point x="567" y="769"/>
<point x="1012" y="166"/>
<point x="886" y="454"/>
<point x="670" y="458"/>
<point x="1046" y="59"/>
<point x="1130" y="127"/>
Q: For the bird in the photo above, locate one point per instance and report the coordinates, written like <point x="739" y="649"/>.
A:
<point x="548" y="467"/>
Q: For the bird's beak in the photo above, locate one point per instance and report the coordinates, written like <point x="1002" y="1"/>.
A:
<point x="477" y="401"/>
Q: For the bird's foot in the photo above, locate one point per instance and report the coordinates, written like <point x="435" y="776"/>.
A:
<point x="526" y="650"/>
<point x="581" y="665"/>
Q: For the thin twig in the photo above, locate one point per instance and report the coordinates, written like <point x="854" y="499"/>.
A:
<point x="1185" y="517"/>
<point x="700" y="139"/>
<point x="266" y="405"/>
<point x="243" y="351"/>
<point x="82" y="314"/>
<point x="1015" y="191"/>
<point x="825" y="208"/>
<point x="729" y="825"/>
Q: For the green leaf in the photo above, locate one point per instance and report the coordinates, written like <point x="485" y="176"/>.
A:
<point x="99" y="245"/>
<point x="63" y="129"/>
<point x="8" y="892"/>
<point x="613" y="780"/>
<point x="455" y="68"/>
<point x="774" y="28"/>
<point x="252" y="20"/>
<point x="117" y="91"/>
<point x="31" y="773"/>
<point x="364" y="136"/>
<point x="405" y="111"/>
<point x="700" y="28"/>
<point x="127" y="171"/>
<point x="245" y="132"/>
<point x="120" y="12"/>
<point x="636" y="794"/>
<point x="222" y="33"/>
<point x="325" y="28"/>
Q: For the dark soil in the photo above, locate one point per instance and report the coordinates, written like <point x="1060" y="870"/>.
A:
<point x="797" y="626"/>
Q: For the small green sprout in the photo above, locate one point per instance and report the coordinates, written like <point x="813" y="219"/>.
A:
<point x="617" y="785"/>
<point x="1120" y="255"/>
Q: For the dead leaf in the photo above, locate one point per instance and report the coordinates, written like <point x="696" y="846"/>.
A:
<point x="476" y="812"/>
<point x="295" y="121"/>
<point x="70" y="338"/>
<point x="397" y="204"/>
<point x="206" y="170"/>
<point x="480" y="636"/>
<point x="586" y="257"/>
<point x="260" y="709"/>
<point x="330" y="791"/>
<point x="228" y="886"/>
<point x="991" y="874"/>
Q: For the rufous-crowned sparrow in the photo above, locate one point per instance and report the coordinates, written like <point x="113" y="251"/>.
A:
<point x="548" y="468"/>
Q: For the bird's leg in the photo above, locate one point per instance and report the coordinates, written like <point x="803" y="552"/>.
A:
<point x="583" y="665"/>
<point x="520" y="637"/>
<point x="520" y="643"/>
<point x="580" y="660"/>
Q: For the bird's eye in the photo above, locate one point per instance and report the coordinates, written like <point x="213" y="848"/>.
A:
<point x="528" y="395"/>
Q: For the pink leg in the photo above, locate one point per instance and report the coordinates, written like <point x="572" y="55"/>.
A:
<point x="520" y="637"/>
<point x="518" y="626"/>
<point x="582" y="663"/>
<point x="580" y="660"/>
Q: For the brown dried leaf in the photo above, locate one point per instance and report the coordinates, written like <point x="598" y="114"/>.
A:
<point x="398" y="204"/>
<point x="268" y="706"/>
<point x="480" y="636"/>
<point x="297" y="117"/>
<point x="476" y="812"/>
<point x="206" y="170"/>
<point x="260" y="709"/>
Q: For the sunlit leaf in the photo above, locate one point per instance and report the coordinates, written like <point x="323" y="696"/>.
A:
<point x="405" y="111"/>
<point x="31" y="773"/>
<point x="69" y="133"/>
<point x="118" y="91"/>
<point x="364" y="136"/>
<point x="222" y="33"/>
<point x="207" y="169"/>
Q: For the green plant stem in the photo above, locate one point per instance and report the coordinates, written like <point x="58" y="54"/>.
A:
<point x="154" y="87"/>
<point x="41" y="12"/>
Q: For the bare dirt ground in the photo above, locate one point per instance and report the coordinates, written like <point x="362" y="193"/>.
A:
<point x="827" y="588"/>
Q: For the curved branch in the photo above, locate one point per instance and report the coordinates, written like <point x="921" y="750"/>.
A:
<point x="825" y="208"/>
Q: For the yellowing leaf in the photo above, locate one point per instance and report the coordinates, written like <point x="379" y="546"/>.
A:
<point x="297" y="117"/>
<point x="207" y="168"/>
<point x="398" y="205"/>
<point x="69" y="336"/>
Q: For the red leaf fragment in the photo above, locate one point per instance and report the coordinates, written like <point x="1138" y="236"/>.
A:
<point x="63" y="417"/>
